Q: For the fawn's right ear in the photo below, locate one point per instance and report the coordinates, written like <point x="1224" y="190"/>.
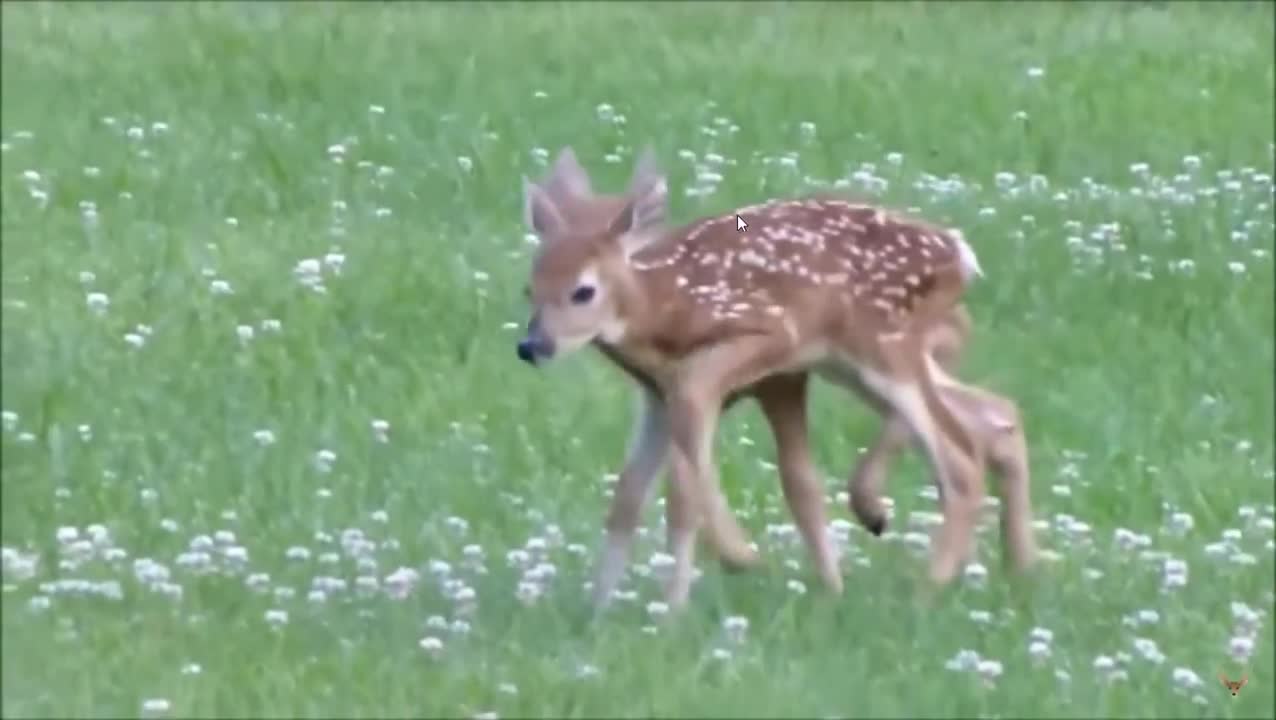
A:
<point x="539" y="211"/>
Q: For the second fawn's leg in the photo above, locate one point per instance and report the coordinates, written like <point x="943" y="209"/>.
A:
<point x="958" y="474"/>
<point x="1000" y="430"/>
<point x="783" y="402"/>
<point x="1009" y="455"/>
<point x="647" y="454"/>
<point x="868" y="479"/>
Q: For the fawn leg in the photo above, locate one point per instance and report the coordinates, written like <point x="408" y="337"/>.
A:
<point x="783" y="402"/>
<point x="647" y="454"/>
<point x="866" y="486"/>
<point x="999" y="424"/>
<point x="958" y="472"/>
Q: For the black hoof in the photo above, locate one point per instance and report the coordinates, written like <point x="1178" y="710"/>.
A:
<point x="877" y="526"/>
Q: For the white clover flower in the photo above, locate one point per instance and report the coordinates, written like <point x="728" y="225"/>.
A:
<point x="431" y="645"/>
<point x="324" y="459"/>
<point x="1186" y="678"/>
<point x="736" y="626"/>
<point x="1039" y="652"/>
<point x="963" y="661"/>
<point x="156" y="706"/>
<point x="587" y="670"/>
<point x="1240" y="648"/>
<point x="97" y="302"/>
<point x="976" y="573"/>
<point x="1148" y="649"/>
<point x="989" y="670"/>
<point x="1181" y="523"/>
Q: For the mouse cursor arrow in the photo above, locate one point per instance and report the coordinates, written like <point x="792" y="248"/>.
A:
<point x="740" y="224"/>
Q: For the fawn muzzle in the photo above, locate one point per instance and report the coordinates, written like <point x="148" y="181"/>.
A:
<point x="535" y="346"/>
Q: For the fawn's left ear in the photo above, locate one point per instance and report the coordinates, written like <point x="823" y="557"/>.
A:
<point x="636" y="224"/>
<point x="651" y="188"/>
<point x="646" y="170"/>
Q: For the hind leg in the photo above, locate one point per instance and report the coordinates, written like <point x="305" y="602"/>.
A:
<point x="951" y="451"/>
<point x="867" y="481"/>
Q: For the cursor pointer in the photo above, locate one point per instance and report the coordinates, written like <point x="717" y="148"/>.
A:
<point x="740" y="224"/>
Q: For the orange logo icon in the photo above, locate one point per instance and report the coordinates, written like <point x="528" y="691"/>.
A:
<point x="1233" y="685"/>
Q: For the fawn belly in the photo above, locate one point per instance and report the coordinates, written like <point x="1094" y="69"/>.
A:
<point x="867" y="383"/>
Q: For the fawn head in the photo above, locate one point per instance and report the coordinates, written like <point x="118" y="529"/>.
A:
<point x="581" y="269"/>
<point x="1233" y="686"/>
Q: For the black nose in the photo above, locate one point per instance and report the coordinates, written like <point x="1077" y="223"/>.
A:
<point x="527" y="352"/>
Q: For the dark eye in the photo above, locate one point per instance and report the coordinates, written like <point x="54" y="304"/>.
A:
<point x="583" y="294"/>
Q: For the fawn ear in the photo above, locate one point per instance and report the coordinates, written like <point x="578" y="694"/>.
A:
<point x="567" y="179"/>
<point x="648" y="193"/>
<point x="639" y="221"/>
<point x="539" y="211"/>
<point x="651" y="189"/>
<point x="646" y="170"/>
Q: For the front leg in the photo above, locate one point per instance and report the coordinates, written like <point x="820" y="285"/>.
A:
<point x="694" y="405"/>
<point x="783" y="402"/>
<point x="695" y="494"/>
<point x="681" y="522"/>
<point x="646" y="457"/>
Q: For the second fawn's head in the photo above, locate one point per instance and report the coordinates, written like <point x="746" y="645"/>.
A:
<point x="582" y="265"/>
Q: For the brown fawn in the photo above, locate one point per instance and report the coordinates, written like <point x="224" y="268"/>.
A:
<point x="702" y="316"/>
<point x="568" y="185"/>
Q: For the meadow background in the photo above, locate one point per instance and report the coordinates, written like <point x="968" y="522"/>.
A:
<point x="267" y="450"/>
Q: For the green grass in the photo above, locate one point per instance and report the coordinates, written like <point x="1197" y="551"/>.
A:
<point x="1142" y="359"/>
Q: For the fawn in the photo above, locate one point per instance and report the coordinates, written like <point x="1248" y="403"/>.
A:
<point x="702" y="316"/>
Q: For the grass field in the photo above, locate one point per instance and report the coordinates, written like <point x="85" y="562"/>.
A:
<point x="267" y="449"/>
